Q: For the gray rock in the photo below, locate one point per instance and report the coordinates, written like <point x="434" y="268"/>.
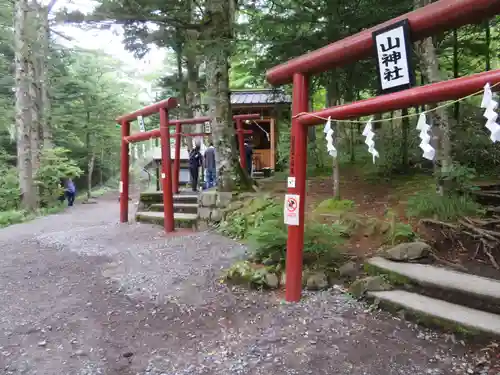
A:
<point x="350" y="269"/>
<point x="216" y="215"/>
<point x="224" y="199"/>
<point x="368" y="284"/>
<point x="283" y="279"/>
<point x="408" y="251"/>
<point x="204" y="213"/>
<point x="317" y="281"/>
<point x="209" y="198"/>
<point x="272" y="280"/>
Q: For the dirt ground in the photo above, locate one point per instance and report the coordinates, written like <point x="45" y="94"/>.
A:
<point x="81" y="294"/>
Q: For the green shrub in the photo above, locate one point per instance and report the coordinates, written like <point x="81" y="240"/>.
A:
<point x="12" y="217"/>
<point x="334" y="205"/>
<point x="448" y="207"/>
<point x="54" y="165"/>
<point x="9" y="188"/>
<point x="269" y="236"/>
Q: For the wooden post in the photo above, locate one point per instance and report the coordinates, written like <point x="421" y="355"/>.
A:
<point x="273" y="143"/>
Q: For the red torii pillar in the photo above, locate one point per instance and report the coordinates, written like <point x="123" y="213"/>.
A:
<point x="424" y="22"/>
<point x="161" y="107"/>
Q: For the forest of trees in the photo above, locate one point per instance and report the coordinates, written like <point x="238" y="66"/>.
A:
<point x="65" y="97"/>
<point x="218" y="43"/>
<point x="58" y="106"/>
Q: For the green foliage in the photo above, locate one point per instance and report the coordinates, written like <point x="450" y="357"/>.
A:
<point x="334" y="205"/>
<point x="11" y="217"/>
<point x="458" y="179"/>
<point x="9" y="188"/>
<point x="54" y="165"/>
<point x="398" y="232"/>
<point x="448" y="207"/>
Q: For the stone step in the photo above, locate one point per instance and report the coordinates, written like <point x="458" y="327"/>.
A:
<point x="437" y="312"/>
<point x="191" y="208"/>
<point x="182" y="220"/>
<point x="456" y="287"/>
<point x="156" y="197"/>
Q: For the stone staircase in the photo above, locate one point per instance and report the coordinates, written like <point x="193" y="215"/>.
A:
<point x="457" y="301"/>
<point x="185" y="209"/>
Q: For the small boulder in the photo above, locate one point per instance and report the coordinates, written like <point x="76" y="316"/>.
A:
<point x="283" y="279"/>
<point x="368" y="284"/>
<point x="408" y="252"/>
<point x="349" y="270"/>
<point x="317" y="281"/>
<point x="272" y="281"/>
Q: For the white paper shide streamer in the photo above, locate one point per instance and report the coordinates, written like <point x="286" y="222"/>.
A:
<point x="491" y="116"/>
<point x="369" y="134"/>
<point x="424" y="127"/>
<point x="332" y="151"/>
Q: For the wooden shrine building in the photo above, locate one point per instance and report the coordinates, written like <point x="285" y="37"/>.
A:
<point x="270" y="103"/>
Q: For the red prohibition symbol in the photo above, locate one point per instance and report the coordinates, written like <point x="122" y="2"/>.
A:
<point x="291" y="204"/>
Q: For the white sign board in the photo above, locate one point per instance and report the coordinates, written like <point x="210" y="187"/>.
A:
<point x="163" y="175"/>
<point x="291" y="213"/>
<point x="207" y="127"/>
<point x="291" y="182"/>
<point x="121" y="187"/>
<point x="142" y="127"/>
<point x="393" y="56"/>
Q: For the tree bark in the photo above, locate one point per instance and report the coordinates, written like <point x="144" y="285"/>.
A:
<point x="430" y="70"/>
<point x="90" y="157"/>
<point x="23" y="105"/>
<point x="332" y="93"/>
<point x="46" y="110"/>
<point x="220" y="32"/>
<point x="488" y="43"/>
<point x="456" y="107"/>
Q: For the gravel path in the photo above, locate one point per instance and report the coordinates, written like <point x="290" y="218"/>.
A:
<point x="82" y="294"/>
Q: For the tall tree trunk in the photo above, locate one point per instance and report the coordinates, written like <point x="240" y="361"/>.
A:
<point x="101" y="169"/>
<point x="456" y="107"/>
<point x="90" y="157"/>
<point x="23" y="105"/>
<point x="46" y="110"/>
<point x="220" y="32"/>
<point x="430" y="69"/>
<point x="193" y="96"/>
<point x="90" y="172"/>
<point x="34" y="58"/>
<point x="332" y="93"/>
<point x="488" y="43"/>
<point x="311" y="137"/>
<point x="405" y="130"/>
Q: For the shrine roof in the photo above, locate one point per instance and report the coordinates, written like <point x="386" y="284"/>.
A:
<point x="259" y="96"/>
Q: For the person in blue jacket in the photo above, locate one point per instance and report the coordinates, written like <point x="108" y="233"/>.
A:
<point x="70" y="191"/>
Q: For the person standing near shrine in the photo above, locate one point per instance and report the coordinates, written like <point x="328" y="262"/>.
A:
<point x="248" y="157"/>
<point x="210" y="166"/>
<point x="195" y="162"/>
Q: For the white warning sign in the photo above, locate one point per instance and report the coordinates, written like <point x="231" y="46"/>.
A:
<point x="291" y="213"/>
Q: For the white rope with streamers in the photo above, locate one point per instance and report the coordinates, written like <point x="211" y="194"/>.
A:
<point x="369" y="134"/>
<point x="332" y="151"/>
<point x="491" y="116"/>
<point x="424" y="127"/>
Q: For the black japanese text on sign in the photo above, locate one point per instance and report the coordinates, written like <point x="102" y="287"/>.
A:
<point x="393" y="57"/>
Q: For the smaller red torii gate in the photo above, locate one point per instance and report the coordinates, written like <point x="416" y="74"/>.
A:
<point x="169" y="177"/>
<point x="240" y="132"/>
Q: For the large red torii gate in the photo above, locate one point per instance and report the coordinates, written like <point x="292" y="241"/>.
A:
<point x="424" y="22"/>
